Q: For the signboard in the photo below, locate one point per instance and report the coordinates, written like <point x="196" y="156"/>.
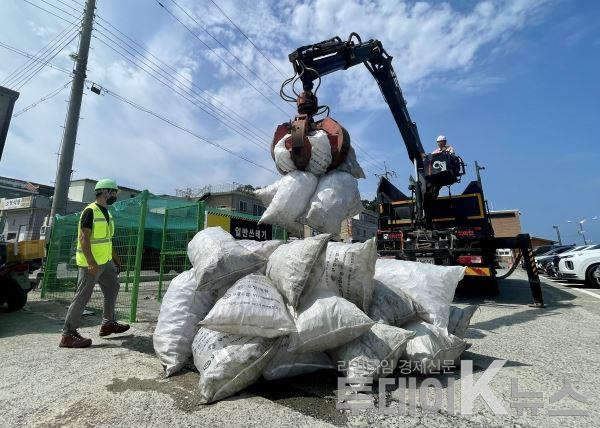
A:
<point x="248" y="229"/>
<point x="7" y="102"/>
<point x="16" y="203"/>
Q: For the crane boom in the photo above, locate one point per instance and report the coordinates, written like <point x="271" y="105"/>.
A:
<point x="313" y="61"/>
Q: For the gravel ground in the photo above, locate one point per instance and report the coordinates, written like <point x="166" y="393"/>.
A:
<point x="119" y="381"/>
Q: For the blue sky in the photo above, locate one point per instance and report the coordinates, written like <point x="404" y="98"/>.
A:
<point x="512" y="84"/>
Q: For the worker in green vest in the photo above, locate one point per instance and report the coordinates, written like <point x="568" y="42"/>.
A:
<point x="98" y="263"/>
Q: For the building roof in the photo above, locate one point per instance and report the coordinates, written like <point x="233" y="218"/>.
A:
<point x="79" y="180"/>
<point x="500" y="212"/>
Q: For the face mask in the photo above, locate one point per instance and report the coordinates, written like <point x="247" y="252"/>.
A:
<point x="111" y="200"/>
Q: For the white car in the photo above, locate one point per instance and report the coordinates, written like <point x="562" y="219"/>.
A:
<point x="583" y="266"/>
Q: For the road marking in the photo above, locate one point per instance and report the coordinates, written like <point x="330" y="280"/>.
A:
<point x="587" y="292"/>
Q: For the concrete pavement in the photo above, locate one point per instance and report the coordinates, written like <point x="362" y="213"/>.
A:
<point x="119" y="382"/>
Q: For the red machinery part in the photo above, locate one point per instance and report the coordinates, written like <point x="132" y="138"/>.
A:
<point x="298" y="144"/>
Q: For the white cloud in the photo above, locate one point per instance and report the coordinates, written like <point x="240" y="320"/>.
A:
<point x="430" y="42"/>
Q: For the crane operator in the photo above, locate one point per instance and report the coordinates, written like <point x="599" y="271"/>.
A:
<point x="443" y="146"/>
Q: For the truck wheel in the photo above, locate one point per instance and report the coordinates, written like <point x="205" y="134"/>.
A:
<point x="592" y="275"/>
<point x="16" y="297"/>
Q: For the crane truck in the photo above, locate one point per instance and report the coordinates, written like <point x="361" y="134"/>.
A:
<point x="422" y="226"/>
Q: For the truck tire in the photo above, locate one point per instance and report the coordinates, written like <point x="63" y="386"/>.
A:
<point x="592" y="275"/>
<point x="16" y="297"/>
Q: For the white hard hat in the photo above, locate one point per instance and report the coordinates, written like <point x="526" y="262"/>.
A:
<point x="441" y="138"/>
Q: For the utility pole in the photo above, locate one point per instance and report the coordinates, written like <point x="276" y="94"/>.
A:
<point x="63" y="174"/>
<point x="558" y="234"/>
<point x="477" y="169"/>
<point x="387" y="174"/>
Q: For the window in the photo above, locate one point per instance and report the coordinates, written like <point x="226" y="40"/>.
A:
<point x="258" y="210"/>
<point x="243" y="206"/>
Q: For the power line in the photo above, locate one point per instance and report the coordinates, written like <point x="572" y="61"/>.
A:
<point x="184" y="129"/>
<point x="248" y="38"/>
<point x="47" y="11"/>
<point x="20" y="70"/>
<point x="41" y="100"/>
<point x="155" y="67"/>
<point x="222" y="106"/>
<point x="28" y="55"/>
<point x="225" y="47"/>
<point x="222" y="59"/>
<point x="206" y="103"/>
<point x="80" y="9"/>
<point x="181" y="92"/>
<point x="58" y="8"/>
<point x="22" y="81"/>
<point x="21" y="67"/>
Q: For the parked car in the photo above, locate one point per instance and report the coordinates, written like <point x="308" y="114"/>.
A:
<point x="546" y="258"/>
<point x="553" y="269"/>
<point x="582" y="266"/>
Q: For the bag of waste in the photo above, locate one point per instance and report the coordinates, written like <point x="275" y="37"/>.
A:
<point x="325" y="321"/>
<point x="289" y="364"/>
<point x="266" y="194"/>
<point x="391" y="306"/>
<point x="219" y="260"/>
<point x="181" y="309"/>
<point x="320" y="154"/>
<point x="290" y="201"/>
<point x="252" y="307"/>
<point x="374" y="354"/>
<point x="261" y="248"/>
<point x="335" y="199"/>
<point x="283" y="157"/>
<point x="431" y="287"/>
<point x="432" y="349"/>
<point x="297" y="267"/>
<point x="351" y="165"/>
<point x="349" y="269"/>
<point x="228" y="362"/>
<point x="460" y="318"/>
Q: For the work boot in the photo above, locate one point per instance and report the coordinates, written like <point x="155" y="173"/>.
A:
<point x="74" y="340"/>
<point x="113" y="327"/>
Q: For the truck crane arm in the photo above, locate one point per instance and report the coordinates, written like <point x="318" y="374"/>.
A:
<point x="311" y="62"/>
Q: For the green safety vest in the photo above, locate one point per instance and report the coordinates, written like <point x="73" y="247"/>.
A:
<point x="101" y="238"/>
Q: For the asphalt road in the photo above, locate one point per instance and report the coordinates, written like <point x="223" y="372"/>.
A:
<point x="119" y="382"/>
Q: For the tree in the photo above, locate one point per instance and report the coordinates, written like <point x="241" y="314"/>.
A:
<point x="371" y="205"/>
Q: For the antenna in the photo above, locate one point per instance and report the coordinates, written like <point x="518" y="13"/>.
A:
<point x="387" y="174"/>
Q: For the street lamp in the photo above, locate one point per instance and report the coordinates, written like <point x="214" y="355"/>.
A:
<point x="558" y="234"/>
<point x="581" y="231"/>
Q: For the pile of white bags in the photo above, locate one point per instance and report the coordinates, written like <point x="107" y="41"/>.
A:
<point x="287" y="309"/>
<point x="314" y="197"/>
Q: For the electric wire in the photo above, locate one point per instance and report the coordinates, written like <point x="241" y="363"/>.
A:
<point x="46" y="97"/>
<point x="222" y="59"/>
<point x="21" y="68"/>
<point x="162" y="64"/>
<point x="184" y="129"/>
<point x="248" y="38"/>
<point x="181" y="93"/>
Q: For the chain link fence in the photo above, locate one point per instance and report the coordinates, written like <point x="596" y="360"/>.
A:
<point x="151" y="237"/>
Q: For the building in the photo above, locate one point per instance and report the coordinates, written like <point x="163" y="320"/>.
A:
<point x="82" y="190"/>
<point x="506" y="223"/>
<point x="12" y="188"/>
<point x="359" y="228"/>
<point x="23" y="218"/>
<point x="24" y="206"/>
<point x="232" y="197"/>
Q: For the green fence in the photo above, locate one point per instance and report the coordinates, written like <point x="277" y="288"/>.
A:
<point x="151" y="237"/>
